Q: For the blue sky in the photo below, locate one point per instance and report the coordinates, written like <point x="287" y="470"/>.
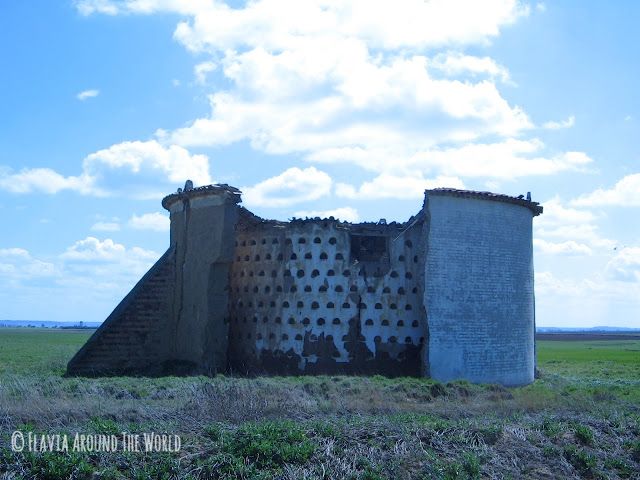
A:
<point x="314" y="108"/>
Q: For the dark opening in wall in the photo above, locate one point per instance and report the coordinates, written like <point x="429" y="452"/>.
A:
<point x="369" y="248"/>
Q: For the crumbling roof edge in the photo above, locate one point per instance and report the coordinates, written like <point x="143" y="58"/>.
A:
<point x="535" y="207"/>
<point x="255" y="220"/>
<point x="218" y="188"/>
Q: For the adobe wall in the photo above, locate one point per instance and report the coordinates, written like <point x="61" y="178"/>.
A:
<point x="202" y="234"/>
<point x="479" y="289"/>
<point x="301" y="302"/>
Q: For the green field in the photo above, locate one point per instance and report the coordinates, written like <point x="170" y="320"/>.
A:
<point x="581" y="419"/>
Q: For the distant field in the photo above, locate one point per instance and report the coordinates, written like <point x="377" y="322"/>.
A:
<point x="39" y="350"/>
<point x="580" y="420"/>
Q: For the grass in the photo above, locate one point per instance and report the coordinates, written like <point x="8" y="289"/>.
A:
<point x="38" y="350"/>
<point x="603" y="360"/>
<point x="578" y="420"/>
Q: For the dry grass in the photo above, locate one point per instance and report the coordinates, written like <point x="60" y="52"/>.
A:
<point x="343" y="427"/>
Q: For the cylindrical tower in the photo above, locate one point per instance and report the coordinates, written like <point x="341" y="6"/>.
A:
<point x="479" y="286"/>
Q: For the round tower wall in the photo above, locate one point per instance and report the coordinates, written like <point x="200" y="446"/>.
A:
<point x="479" y="290"/>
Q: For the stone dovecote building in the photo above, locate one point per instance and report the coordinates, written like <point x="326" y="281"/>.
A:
<point x="447" y="294"/>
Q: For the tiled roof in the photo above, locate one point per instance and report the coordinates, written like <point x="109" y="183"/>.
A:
<point x="201" y="191"/>
<point x="535" y="207"/>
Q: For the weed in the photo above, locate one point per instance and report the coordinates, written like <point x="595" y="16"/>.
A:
<point x="623" y="469"/>
<point x="104" y="426"/>
<point x="56" y="465"/>
<point x="551" y="428"/>
<point x="454" y="471"/>
<point x="583" y="433"/>
<point x="491" y="434"/>
<point x="471" y="465"/>
<point x="215" y="431"/>
<point x="582" y="461"/>
<point x="270" y="444"/>
<point x="634" y="448"/>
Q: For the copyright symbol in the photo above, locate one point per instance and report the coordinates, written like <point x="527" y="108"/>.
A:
<point x="17" y="441"/>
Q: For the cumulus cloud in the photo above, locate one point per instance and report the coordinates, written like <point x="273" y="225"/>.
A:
<point x="201" y="70"/>
<point x="173" y="162"/>
<point x="45" y="180"/>
<point x="456" y="63"/>
<point x="85" y="94"/>
<point x="568" y="123"/>
<point x="346" y="214"/>
<point x="625" y="193"/>
<point x="393" y="186"/>
<point x="405" y="24"/>
<point x="358" y="80"/>
<point x="625" y="265"/>
<point x="150" y="221"/>
<point x="292" y="186"/>
<point x="557" y="214"/>
<point x="105" y="258"/>
<point x="565" y="230"/>
<point x="150" y="167"/>
<point x="568" y="247"/>
<point x="18" y="264"/>
<point x="593" y="300"/>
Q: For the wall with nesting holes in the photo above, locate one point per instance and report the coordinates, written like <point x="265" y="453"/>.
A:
<point x="302" y="302"/>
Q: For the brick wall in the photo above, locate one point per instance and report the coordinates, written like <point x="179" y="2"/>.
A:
<point x="133" y="339"/>
<point x="479" y="290"/>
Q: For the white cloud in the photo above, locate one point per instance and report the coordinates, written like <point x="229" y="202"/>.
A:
<point x="82" y="96"/>
<point x="347" y="214"/>
<point x="568" y="123"/>
<point x="92" y="256"/>
<point x="455" y="63"/>
<point x="508" y="159"/>
<point x="17" y="264"/>
<point x="625" y="193"/>
<point x="593" y="300"/>
<point x="556" y="214"/>
<point x="44" y="180"/>
<point x="173" y="162"/>
<point x="289" y="102"/>
<point x="93" y="249"/>
<point x="105" y="227"/>
<point x="320" y="77"/>
<point x="625" y="265"/>
<point x="201" y="70"/>
<point x="150" y="221"/>
<point x="568" y="247"/>
<point x="88" y="7"/>
<point x="565" y="230"/>
<point x="275" y="23"/>
<point x="393" y="186"/>
<point x="292" y="186"/>
<point x="134" y="169"/>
